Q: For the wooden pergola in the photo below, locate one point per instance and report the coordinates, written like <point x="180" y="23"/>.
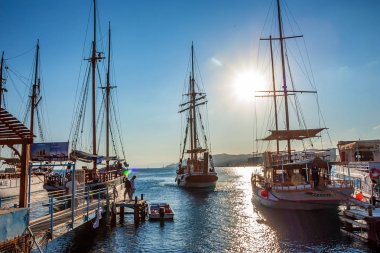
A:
<point x="13" y="132"/>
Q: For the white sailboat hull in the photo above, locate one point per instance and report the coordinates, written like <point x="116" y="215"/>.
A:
<point x="301" y="200"/>
<point x="10" y="187"/>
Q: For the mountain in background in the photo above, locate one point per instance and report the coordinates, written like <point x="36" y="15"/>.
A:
<point x="227" y="160"/>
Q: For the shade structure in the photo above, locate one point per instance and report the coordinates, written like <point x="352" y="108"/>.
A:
<point x="293" y="134"/>
<point x="12" y="131"/>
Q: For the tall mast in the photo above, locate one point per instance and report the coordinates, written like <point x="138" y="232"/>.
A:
<point x="274" y="92"/>
<point x="284" y="75"/>
<point x="108" y="91"/>
<point x="193" y="111"/>
<point x="2" y="89"/>
<point x="34" y="92"/>
<point x="93" y="65"/>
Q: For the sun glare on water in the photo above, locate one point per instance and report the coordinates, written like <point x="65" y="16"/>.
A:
<point x="246" y="83"/>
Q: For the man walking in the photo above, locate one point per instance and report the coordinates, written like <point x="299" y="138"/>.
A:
<point x="133" y="186"/>
<point x="127" y="190"/>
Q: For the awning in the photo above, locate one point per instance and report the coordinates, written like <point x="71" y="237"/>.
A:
<point x="196" y="150"/>
<point x="111" y="158"/>
<point x="83" y="156"/>
<point x="293" y="134"/>
<point x="12" y="131"/>
<point x="361" y="144"/>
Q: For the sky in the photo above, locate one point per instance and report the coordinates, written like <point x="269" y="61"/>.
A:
<point x="151" y="47"/>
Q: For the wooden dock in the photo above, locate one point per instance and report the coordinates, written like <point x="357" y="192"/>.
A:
<point x="361" y="221"/>
<point x="140" y="210"/>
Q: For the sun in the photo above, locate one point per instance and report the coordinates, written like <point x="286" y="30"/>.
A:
<point x="246" y="83"/>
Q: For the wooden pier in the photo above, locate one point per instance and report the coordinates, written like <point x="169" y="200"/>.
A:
<point x="139" y="207"/>
<point x="361" y="221"/>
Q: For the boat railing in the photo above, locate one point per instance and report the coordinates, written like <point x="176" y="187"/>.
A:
<point x="54" y="179"/>
<point x="283" y="158"/>
<point x="7" y="175"/>
<point x="86" y="203"/>
<point x="344" y="184"/>
<point x="101" y="177"/>
<point x="339" y="183"/>
<point x="108" y="175"/>
<point x="283" y="187"/>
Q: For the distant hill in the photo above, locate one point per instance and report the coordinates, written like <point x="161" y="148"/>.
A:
<point x="227" y="160"/>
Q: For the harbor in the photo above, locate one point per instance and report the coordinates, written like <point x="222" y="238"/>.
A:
<point x="192" y="126"/>
<point x="208" y="218"/>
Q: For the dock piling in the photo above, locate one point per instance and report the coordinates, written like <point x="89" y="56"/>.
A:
<point x="121" y="213"/>
<point x="136" y="215"/>
<point x="113" y="214"/>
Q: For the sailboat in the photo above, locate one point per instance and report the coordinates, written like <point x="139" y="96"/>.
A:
<point x="296" y="180"/>
<point x="112" y="172"/>
<point x="195" y="168"/>
<point x="10" y="177"/>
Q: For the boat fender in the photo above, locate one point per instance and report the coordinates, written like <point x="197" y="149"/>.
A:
<point x="264" y="193"/>
<point x="359" y="196"/>
<point x="178" y="181"/>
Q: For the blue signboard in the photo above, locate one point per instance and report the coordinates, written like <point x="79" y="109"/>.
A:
<point x="51" y="151"/>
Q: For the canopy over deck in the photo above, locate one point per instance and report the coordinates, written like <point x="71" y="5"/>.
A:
<point x="282" y="135"/>
<point x="13" y="131"/>
<point x="83" y="156"/>
<point x="359" y="144"/>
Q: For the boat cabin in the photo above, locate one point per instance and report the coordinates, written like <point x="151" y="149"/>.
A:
<point x="298" y="172"/>
<point x="361" y="150"/>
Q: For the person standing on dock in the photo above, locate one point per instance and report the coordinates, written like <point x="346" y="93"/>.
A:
<point x="133" y="186"/>
<point x="128" y="188"/>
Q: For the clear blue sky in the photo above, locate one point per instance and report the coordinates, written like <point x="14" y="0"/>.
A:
<point x="151" y="43"/>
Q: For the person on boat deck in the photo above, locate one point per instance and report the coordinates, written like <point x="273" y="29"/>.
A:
<point x="188" y="164"/>
<point x="69" y="190"/>
<point x="315" y="175"/>
<point x="133" y="186"/>
<point x="180" y="170"/>
<point x="128" y="187"/>
<point x="303" y="173"/>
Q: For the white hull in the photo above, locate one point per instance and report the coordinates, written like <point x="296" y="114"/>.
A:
<point x="197" y="180"/>
<point x="11" y="187"/>
<point x="306" y="200"/>
<point x="157" y="216"/>
<point x="154" y="211"/>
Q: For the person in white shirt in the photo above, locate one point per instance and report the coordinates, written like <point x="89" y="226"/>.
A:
<point x="133" y="186"/>
<point x="69" y="191"/>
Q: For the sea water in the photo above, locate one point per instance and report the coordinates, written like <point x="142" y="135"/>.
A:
<point x="223" y="219"/>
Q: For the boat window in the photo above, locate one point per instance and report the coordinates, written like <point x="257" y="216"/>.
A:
<point x="363" y="156"/>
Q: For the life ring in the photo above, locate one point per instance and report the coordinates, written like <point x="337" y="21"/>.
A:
<point x="374" y="173"/>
